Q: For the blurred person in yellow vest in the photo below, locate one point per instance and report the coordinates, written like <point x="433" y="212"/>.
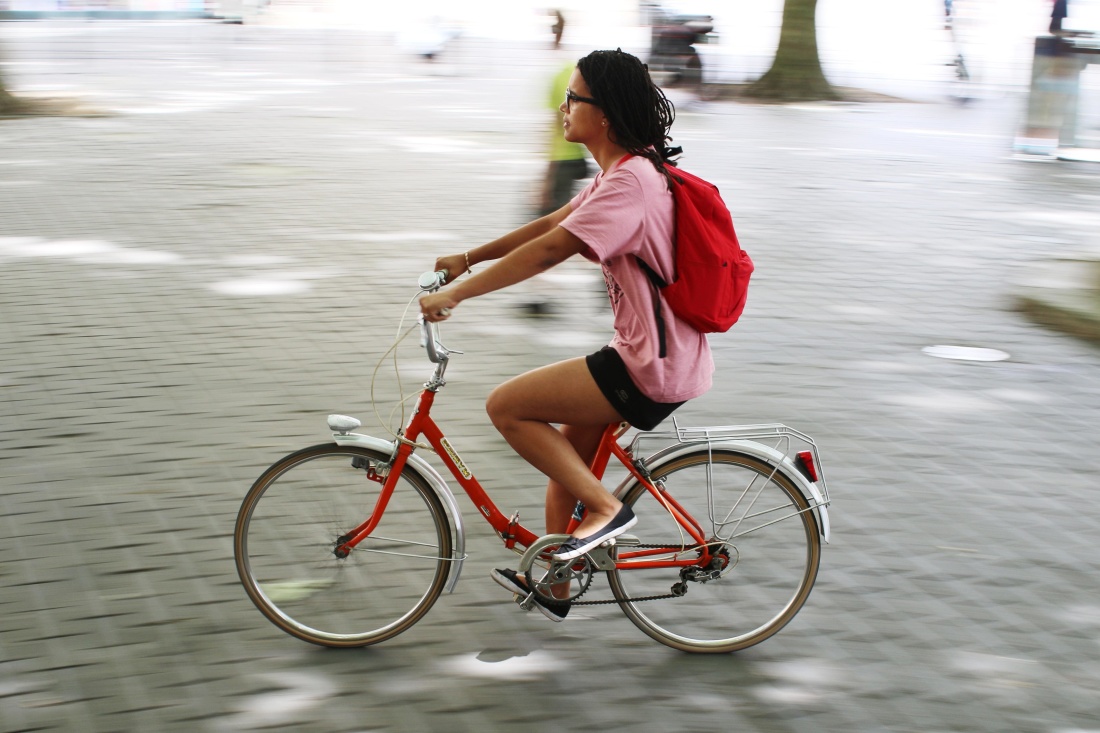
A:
<point x="567" y="161"/>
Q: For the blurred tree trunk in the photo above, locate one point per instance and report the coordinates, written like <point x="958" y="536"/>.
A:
<point x="8" y="103"/>
<point x="796" y="73"/>
<point x="31" y="106"/>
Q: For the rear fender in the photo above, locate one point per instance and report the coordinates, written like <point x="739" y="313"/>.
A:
<point x="756" y="450"/>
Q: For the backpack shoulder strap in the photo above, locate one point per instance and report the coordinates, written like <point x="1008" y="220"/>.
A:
<point x="657" y="282"/>
<point x="655" y="279"/>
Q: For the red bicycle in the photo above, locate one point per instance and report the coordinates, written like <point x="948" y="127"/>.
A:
<point x="350" y="543"/>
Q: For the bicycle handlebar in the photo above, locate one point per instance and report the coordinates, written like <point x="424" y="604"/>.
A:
<point x="430" y="282"/>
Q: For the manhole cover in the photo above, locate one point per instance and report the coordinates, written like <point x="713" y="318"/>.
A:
<point x="965" y="353"/>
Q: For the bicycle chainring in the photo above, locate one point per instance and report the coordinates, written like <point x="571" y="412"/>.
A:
<point x="578" y="572"/>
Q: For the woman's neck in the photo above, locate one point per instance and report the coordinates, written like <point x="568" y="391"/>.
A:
<point x="606" y="154"/>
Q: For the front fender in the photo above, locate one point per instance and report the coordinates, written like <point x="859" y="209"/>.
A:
<point x="757" y="450"/>
<point x="437" y="485"/>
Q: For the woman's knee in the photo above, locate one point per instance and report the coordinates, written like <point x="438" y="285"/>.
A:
<point x="501" y="406"/>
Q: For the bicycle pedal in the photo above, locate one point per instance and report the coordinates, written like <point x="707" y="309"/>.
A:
<point x="628" y="540"/>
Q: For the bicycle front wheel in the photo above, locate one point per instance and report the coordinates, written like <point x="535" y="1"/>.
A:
<point x="765" y="550"/>
<point x="288" y="528"/>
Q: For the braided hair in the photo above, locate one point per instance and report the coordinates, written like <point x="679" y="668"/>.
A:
<point x="639" y="112"/>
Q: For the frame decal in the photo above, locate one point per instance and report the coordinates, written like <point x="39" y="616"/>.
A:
<point x="454" y="457"/>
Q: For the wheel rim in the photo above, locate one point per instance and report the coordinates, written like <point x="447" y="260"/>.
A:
<point x="287" y="532"/>
<point x="773" y="546"/>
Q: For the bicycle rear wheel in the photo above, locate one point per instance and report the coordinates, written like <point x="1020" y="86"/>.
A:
<point x="287" y="529"/>
<point x="766" y="546"/>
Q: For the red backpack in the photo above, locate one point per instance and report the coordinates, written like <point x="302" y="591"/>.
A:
<point x="712" y="271"/>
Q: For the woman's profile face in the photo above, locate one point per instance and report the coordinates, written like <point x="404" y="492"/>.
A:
<point x="583" y="122"/>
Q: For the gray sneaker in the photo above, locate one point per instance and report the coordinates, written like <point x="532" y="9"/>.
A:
<point x="577" y="546"/>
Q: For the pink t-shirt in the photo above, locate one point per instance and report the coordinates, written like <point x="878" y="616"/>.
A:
<point x="629" y="211"/>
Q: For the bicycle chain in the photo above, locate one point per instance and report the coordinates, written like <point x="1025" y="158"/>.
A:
<point x="575" y="602"/>
<point x="624" y="600"/>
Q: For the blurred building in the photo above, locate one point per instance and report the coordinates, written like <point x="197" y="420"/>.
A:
<point x="84" y="6"/>
<point x="895" y="48"/>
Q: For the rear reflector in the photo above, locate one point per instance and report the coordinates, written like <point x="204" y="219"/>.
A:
<point x="805" y="464"/>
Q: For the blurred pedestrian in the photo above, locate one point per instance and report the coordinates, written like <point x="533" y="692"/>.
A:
<point x="614" y="109"/>
<point x="961" y="90"/>
<point x="428" y="38"/>
<point x="567" y="164"/>
<point x="1057" y="14"/>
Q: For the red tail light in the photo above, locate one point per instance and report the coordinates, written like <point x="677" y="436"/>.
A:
<point x="805" y="464"/>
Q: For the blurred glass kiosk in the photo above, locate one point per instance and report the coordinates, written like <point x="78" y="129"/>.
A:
<point x="1051" y="127"/>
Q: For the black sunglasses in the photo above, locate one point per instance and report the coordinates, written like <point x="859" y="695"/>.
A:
<point x="570" y="97"/>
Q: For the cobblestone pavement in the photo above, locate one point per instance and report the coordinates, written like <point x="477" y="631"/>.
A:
<point x="192" y="283"/>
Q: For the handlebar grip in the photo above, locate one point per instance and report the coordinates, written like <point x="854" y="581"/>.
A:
<point x="429" y="340"/>
<point x="431" y="282"/>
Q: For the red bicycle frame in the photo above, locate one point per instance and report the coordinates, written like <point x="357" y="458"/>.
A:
<point x="509" y="529"/>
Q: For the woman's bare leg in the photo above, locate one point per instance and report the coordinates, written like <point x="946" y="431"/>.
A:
<point x="523" y="408"/>
<point x="559" y="502"/>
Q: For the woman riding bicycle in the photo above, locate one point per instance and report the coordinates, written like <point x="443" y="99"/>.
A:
<point x="627" y="213"/>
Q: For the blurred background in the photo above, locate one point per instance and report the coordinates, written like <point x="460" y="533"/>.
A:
<point x="884" y="47"/>
<point x="212" y="216"/>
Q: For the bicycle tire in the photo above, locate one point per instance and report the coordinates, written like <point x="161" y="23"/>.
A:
<point x="772" y="542"/>
<point x="287" y="529"/>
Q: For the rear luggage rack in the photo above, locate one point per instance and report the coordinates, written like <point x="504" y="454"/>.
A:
<point x="779" y="437"/>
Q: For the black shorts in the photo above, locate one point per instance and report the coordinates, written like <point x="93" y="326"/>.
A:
<point x="614" y="381"/>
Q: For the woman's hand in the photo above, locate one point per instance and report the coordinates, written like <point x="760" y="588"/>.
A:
<point x="438" y="306"/>
<point x="455" y="265"/>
